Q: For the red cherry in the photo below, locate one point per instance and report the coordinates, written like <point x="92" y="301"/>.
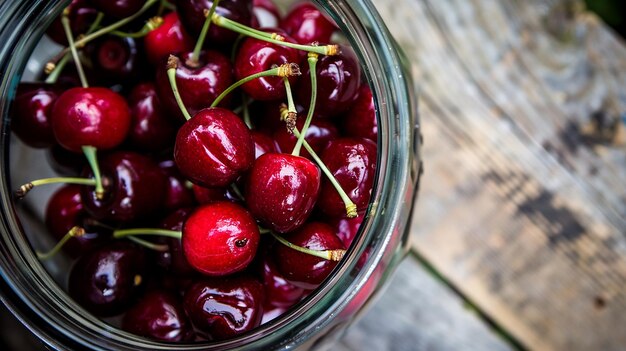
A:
<point x="353" y="163"/>
<point x="278" y="291"/>
<point x="318" y="135"/>
<point x="159" y="315"/>
<point x="151" y="129"/>
<point x="282" y="190"/>
<point x="301" y="269"/>
<point x="266" y="13"/>
<point x="192" y="16"/>
<point x="31" y="113"/>
<point x="170" y="38"/>
<point x="263" y="144"/>
<point x="361" y="121"/>
<point x="116" y="59"/>
<point x="95" y="117"/>
<point x="118" y="8"/>
<point x="177" y="193"/>
<point x="204" y="195"/>
<point x="81" y="15"/>
<point x="174" y="260"/>
<point x="223" y="308"/>
<point x="220" y="238"/>
<point x="347" y="228"/>
<point x="255" y="56"/>
<point x="307" y="24"/>
<point x="213" y="148"/>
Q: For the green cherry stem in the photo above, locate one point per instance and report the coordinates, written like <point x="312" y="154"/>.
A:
<point x="312" y="60"/>
<point x="75" y="232"/>
<point x="24" y="189"/>
<point x="331" y="255"/>
<point x="292" y="114"/>
<point x="65" y="21"/>
<point x="92" y="159"/>
<point x="246" y="111"/>
<point x="195" y="55"/>
<point x="151" y="24"/>
<point x="273" y="38"/>
<point x="284" y="70"/>
<point x="172" y="65"/>
<point x="122" y="233"/>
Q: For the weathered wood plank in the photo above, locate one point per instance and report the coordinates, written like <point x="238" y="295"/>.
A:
<point x="523" y="203"/>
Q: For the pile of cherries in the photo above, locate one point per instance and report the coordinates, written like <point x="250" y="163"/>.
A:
<point x="201" y="197"/>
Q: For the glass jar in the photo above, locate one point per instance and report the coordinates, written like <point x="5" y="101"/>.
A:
<point x="34" y="296"/>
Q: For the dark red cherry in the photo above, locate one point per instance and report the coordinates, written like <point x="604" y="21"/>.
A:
<point x="174" y="260"/>
<point x="338" y="82"/>
<point x="266" y="13"/>
<point x="91" y="116"/>
<point x="177" y="192"/>
<point x="116" y="59"/>
<point x="360" y="121"/>
<point x="65" y="162"/>
<point x="255" y="56"/>
<point x="107" y="280"/>
<point x="159" y="315"/>
<point x="213" y="148"/>
<point x="353" y="163"/>
<point x="65" y="210"/>
<point x="263" y="144"/>
<point x="151" y="129"/>
<point x="170" y="38"/>
<point x="220" y="238"/>
<point x="318" y="135"/>
<point x="134" y="188"/>
<point x="81" y="15"/>
<point x="278" y="291"/>
<point x="347" y="228"/>
<point x="192" y="16"/>
<point x="30" y="113"/>
<point x="204" y="195"/>
<point x="301" y="269"/>
<point x="118" y="8"/>
<point x="199" y="83"/>
<point x="281" y="190"/>
<point x="225" y="307"/>
<point x="307" y="24"/>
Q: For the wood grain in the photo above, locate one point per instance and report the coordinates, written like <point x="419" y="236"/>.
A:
<point x="523" y="203"/>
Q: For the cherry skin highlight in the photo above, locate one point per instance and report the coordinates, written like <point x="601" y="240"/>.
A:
<point x="169" y="39"/>
<point x="30" y="112"/>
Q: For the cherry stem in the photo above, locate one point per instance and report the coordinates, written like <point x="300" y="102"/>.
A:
<point x="24" y="189"/>
<point x="152" y="24"/>
<point x="172" y="65"/>
<point x="65" y="21"/>
<point x="92" y="159"/>
<point x="312" y="59"/>
<point x="121" y="233"/>
<point x="75" y="232"/>
<point x="331" y="255"/>
<point x="351" y="209"/>
<point x="163" y="5"/>
<point x="246" y="111"/>
<point x="202" y="37"/>
<point x="237" y="192"/>
<point x="292" y="113"/>
<point x="273" y="38"/>
<point x="148" y="244"/>
<point x="284" y="70"/>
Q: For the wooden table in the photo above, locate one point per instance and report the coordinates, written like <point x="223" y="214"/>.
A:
<point x="519" y="234"/>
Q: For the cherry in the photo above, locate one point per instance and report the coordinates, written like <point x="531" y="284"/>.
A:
<point x="159" y="315"/>
<point x="266" y="13"/>
<point x="106" y="281"/>
<point x="282" y="190"/>
<point x="151" y="129"/>
<point x="213" y="148"/>
<point x="347" y="228"/>
<point x="118" y="8"/>
<point x="31" y="113"/>
<point x="318" y="135"/>
<point x="116" y="59"/>
<point x="338" y="82"/>
<point x="204" y="195"/>
<point x="361" y="121"/>
<point x="66" y="210"/>
<point x="353" y="163"/>
<point x="192" y="15"/>
<point x="177" y="193"/>
<point x="174" y="259"/>
<point x="220" y="238"/>
<point x="263" y="144"/>
<point x="199" y="82"/>
<point x="221" y="309"/>
<point x="91" y="116"/>
<point x="278" y="291"/>
<point x="301" y="269"/>
<point x="256" y="56"/>
<point x="306" y="24"/>
<point x="81" y="15"/>
<point x="169" y="38"/>
<point x="134" y="188"/>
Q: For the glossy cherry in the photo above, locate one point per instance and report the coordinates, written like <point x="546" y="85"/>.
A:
<point x="213" y="148"/>
<point x="278" y="291"/>
<point x="306" y="24"/>
<point x="204" y="195"/>
<point x="338" y="82"/>
<point x="170" y="38"/>
<point x="107" y="280"/>
<point x="263" y="144"/>
<point x="30" y="113"/>
<point x="192" y="16"/>
<point x="255" y="56"/>
<point x="118" y="8"/>
<point x="301" y="269"/>
<point x="282" y="190"/>
<point x="266" y="13"/>
<point x="177" y="192"/>
<point x="318" y="135"/>
<point x="117" y="59"/>
<point x="220" y="238"/>
<point x="91" y="116"/>
<point x="81" y="15"/>
<point x="134" y="188"/>
<point x="174" y="260"/>
<point x="159" y="315"/>
<point x="226" y="307"/>
<point x="151" y="128"/>
<point x="360" y="121"/>
<point x="347" y="228"/>
<point x="199" y="82"/>
<point x="353" y="163"/>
